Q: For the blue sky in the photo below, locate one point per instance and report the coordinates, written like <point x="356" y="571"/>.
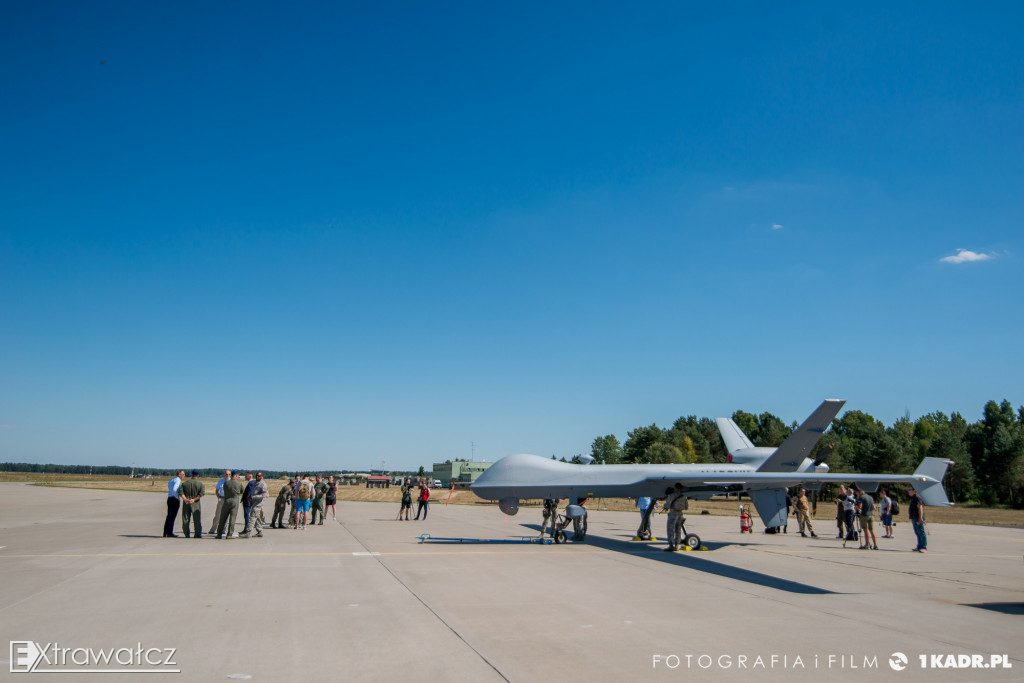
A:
<point x="331" y="235"/>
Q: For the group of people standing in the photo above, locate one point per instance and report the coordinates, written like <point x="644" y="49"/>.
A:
<point x="301" y="498"/>
<point x="854" y="507"/>
<point x="423" y="496"/>
<point x="232" y="492"/>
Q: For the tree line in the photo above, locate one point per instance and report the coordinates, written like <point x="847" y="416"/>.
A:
<point x="123" y="470"/>
<point x="988" y="455"/>
<point x="159" y="472"/>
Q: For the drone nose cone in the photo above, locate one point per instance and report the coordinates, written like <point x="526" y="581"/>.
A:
<point x="504" y="478"/>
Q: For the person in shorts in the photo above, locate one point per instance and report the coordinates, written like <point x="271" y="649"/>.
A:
<point x="866" y="513"/>
<point x="406" y="502"/>
<point x="303" y="502"/>
<point x="885" y="514"/>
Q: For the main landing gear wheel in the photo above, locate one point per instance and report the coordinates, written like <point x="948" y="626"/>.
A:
<point x="692" y="541"/>
<point x="644" y="535"/>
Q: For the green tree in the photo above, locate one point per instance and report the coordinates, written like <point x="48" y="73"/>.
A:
<point x="663" y="453"/>
<point x="689" y="428"/>
<point x="770" y="431"/>
<point x="638" y="441"/>
<point x="746" y="422"/>
<point x="858" y="440"/>
<point x="960" y="482"/>
<point x="1004" y="461"/>
<point x="896" y="451"/>
<point x="606" y="449"/>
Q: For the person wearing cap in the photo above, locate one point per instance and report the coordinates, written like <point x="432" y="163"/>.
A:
<point x="232" y="495"/>
<point x="191" y="491"/>
<point x="173" y="503"/>
<point x="254" y="525"/>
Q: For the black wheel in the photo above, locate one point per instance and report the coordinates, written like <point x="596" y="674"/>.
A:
<point x="644" y="535"/>
<point x="579" y="532"/>
<point x="692" y="541"/>
<point x="559" y="536"/>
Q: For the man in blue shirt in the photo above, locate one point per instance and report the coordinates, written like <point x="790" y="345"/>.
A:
<point x="643" y="503"/>
<point x="173" y="503"/>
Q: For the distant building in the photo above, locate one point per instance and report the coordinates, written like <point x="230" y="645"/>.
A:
<point x="462" y="471"/>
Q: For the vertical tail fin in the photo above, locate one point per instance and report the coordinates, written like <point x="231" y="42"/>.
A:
<point x="732" y="435"/>
<point x="931" y="490"/>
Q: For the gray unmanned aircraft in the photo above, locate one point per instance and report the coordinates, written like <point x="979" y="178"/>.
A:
<point x="762" y="473"/>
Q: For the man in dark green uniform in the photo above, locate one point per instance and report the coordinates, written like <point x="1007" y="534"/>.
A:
<point x="232" y="496"/>
<point x="319" y="499"/>
<point x="190" y="492"/>
<point x="284" y="496"/>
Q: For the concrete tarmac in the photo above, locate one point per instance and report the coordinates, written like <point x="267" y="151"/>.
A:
<point x="363" y="599"/>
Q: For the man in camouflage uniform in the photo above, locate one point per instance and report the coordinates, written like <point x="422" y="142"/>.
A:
<point x="550" y="517"/>
<point x="190" y="492"/>
<point x="675" y="503"/>
<point x="259" y="492"/>
<point x="232" y="496"/>
<point x="319" y="499"/>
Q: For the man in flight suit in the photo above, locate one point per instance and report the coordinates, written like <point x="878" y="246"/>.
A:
<point x="319" y="499"/>
<point x="191" y="491"/>
<point x="232" y="496"/>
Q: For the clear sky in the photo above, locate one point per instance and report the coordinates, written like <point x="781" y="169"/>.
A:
<point x="331" y="235"/>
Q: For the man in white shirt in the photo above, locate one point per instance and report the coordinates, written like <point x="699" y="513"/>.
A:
<point x="173" y="503"/>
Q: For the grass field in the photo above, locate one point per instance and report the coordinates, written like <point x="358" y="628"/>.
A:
<point x="960" y="514"/>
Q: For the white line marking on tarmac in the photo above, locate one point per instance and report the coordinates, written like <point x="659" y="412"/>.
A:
<point x="366" y="554"/>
